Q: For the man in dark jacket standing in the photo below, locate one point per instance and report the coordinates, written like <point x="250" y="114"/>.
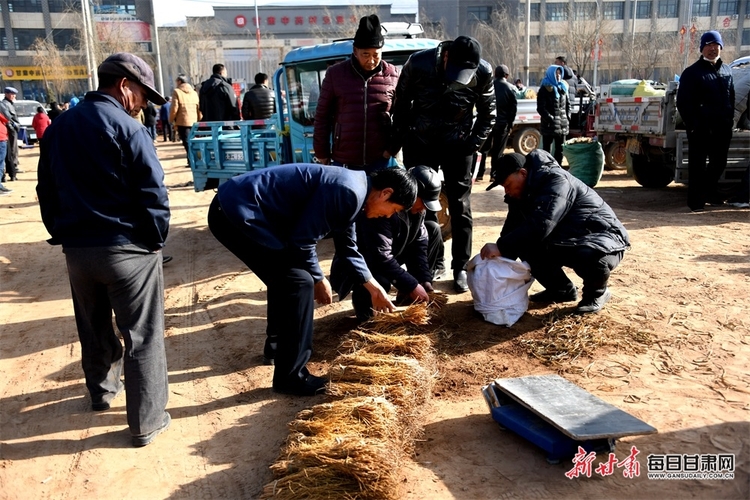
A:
<point x="272" y="220"/>
<point x="705" y="100"/>
<point x="102" y="197"/>
<point x="433" y="114"/>
<point x="507" y="106"/>
<point x="355" y="105"/>
<point x="387" y="244"/>
<point x="555" y="220"/>
<point x="8" y="109"/>
<point x="259" y="102"/>
<point x="218" y="102"/>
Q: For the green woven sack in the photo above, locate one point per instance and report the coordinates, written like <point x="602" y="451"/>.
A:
<point x="585" y="159"/>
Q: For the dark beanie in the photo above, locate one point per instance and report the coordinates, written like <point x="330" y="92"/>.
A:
<point x="506" y="165"/>
<point x="369" y="35"/>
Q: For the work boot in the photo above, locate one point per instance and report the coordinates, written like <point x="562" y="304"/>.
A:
<point x="553" y="296"/>
<point x="460" y="283"/>
<point x="593" y="304"/>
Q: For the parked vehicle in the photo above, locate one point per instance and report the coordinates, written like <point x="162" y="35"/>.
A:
<point x="648" y="134"/>
<point x="525" y="136"/>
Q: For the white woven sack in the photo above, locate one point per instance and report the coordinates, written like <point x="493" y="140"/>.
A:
<point x="500" y="288"/>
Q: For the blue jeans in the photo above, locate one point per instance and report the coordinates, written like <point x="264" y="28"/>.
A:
<point x="128" y="280"/>
<point x="3" y="152"/>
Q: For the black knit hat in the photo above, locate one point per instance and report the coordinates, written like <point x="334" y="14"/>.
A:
<point x="369" y="35"/>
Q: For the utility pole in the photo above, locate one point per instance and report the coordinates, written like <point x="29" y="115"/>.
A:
<point x="157" y="50"/>
<point x="257" y="37"/>
<point x="527" y="61"/>
<point x="88" y="38"/>
<point x="632" y="41"/>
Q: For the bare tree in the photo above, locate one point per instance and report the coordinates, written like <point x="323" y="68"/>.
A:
<point x="52" y="63"/>
<point x="334" y="30"/>
<point x="189" y="50"/>
<point x="433" y="28"/>
<point x="502" y="39"/>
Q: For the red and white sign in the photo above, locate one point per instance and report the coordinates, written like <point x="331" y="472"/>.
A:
<point x="726" y="22"/>
<point x="240" y="21"/>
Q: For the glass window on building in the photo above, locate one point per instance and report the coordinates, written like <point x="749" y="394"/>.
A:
<point x="746" y="36"/>
<point x="66" y="38"/>
<point x="701" y="8"/>
<point x="475" y="14"/>
<point x="557" y="11"/>
<point x="585" y="10"/>
<point x="536" y="9"/>
<point x="115" y="7"/>
<point x="728" y="7"/>
<point x="24" y="5"/>
<point x="64" y="5"/>
<point x="668" y="8"/>
<point x="554" y="43"/>
<point x="25" y="38"/>
<point x="614" y="10"/>
<point x="644" y="10"/>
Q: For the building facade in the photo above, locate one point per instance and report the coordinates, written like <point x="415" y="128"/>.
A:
<point x="127" y="23"/>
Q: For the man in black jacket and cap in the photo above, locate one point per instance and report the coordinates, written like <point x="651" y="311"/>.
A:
<point x="433" y="114"/>
<point x="555" y="220"/>
<point x="403" y="239"/>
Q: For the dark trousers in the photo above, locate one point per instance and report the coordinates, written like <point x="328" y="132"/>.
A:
<point x="183" y="132"/>
<point x="128" y="280"/>
<point x="593" y="266"/>
<point x="703" y="178"/>
<point x="557" y="139"/>
<point x="290" y="296"/>
<point x="499" y="143"/>
<point x="11" y="157"/>
<point x="456" y="166"/>
<point x="167" y="131"/>
<point x="361" y="298"/>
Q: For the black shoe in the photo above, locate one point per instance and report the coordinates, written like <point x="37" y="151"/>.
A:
<point x="697" y="210"/>
<point x="144" y="439"/>
<point x="269" y="350"/>
<point x="460" y="283"/>
<point x="310" y="386"/>
<point x="104" y="404"/>
<point x="594" y="305"/>
<point x="552" y="296"/>
<point x="166" y="258"/>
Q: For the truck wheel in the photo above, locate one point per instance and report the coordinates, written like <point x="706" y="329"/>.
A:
<point x="444" y="218"/>
<point x="652" y="171"/>
<point x="527" y="140"/>
<point x="615" y="156"/>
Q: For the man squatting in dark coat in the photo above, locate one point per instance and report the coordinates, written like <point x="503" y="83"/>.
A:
<point x="405" y="238"/>
<point x="272" y="219"/>
<point x="555" y="220"/>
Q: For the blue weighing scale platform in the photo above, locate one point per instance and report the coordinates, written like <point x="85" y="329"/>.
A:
<point x="558" y="416"/>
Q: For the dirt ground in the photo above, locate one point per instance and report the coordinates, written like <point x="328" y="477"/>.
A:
<point x="685" y="282"/>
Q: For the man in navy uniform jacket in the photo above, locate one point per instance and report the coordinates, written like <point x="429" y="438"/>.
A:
<point x="272" y="219"/>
